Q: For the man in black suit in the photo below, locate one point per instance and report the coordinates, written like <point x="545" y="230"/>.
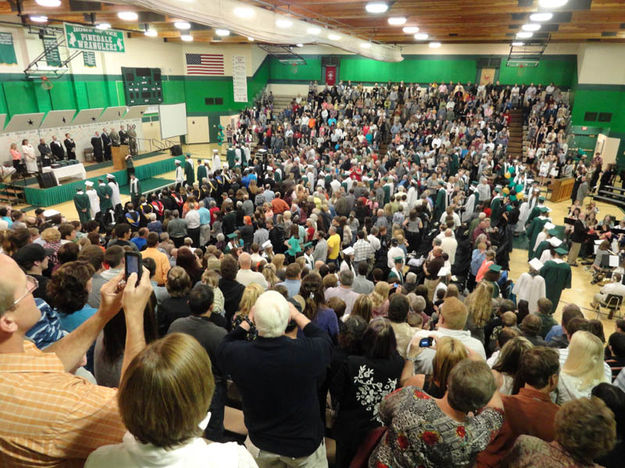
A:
<point x="44" y="149"/>
<point x="57" y="149"/>
<point x="106" y="143"/>
<point x="96" y="142"/>
<point x="70" y="146"/>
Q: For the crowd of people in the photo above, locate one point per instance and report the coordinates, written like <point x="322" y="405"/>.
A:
<point x="348" y="277"/>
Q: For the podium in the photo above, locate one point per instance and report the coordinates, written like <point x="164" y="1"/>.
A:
<point x="561" y="189"/>
<point x="119" y="154"/>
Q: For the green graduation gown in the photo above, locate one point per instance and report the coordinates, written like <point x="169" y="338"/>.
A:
<point x="496" y="208"/>
<point x="453" y="164"/>
<point x="387" y="193"/>
<point x="535" y="227"/>
<point x="533" y="214"/>
<point x="81" y="202"/>
<point x="188" y="172"/>
<point x="231" y="157"/>
<point x="440" y="205"/>
<point x="202" y="173"/>
<point x="557" y="274"/>
<point x="105" y="193"/>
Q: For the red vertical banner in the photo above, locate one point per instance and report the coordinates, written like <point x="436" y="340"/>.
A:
<point x="330" y="75"/>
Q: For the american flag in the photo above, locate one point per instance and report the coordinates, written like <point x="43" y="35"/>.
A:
<point x="205" y="64"/>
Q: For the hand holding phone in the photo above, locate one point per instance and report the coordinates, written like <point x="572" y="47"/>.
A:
<point x="426" y="342"/>
<point x="133" y="264"/>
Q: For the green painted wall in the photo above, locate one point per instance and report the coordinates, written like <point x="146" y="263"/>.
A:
<point x="560" y="70"/>
<point x="20" y="96"/>
<point x="600" y="100"/>
<point x="287" y="72"/>
<point x="415" y="70"/>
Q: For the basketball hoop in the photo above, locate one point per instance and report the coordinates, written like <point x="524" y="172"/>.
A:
<point x="46" y="83"/>
<point x="294" y="65"/>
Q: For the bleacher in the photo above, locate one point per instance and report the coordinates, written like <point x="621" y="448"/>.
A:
<point x="611" y="194"/>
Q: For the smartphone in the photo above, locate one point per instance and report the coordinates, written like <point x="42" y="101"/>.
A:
<point x="426" y="342"/>
<point x="133" y="264"/>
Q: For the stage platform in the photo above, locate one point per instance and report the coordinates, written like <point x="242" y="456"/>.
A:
<point x="147" y="166"/>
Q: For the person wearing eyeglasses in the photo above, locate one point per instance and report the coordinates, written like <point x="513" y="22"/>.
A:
<point x="49" y="416"/>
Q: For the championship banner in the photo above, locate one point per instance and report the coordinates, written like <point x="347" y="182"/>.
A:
<point x="94" y="39"/>
<point x="239" y="78"/>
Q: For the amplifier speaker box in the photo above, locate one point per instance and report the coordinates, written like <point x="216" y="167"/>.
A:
<point x="176" y="150"/>
<point x="46" y="180"/>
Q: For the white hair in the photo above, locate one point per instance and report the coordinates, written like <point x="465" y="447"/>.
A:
<point x="271" y="314"/>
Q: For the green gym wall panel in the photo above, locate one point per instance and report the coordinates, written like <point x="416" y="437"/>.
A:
<point x="173" y="91"/>
<point x="311" y="71"/>
<point x="62" y="96"/>
<point x="96" y="94"/>
<point x="44" y="103"/>
<point x="119" y="89"/>
<point x="80" y="88"/>
<point x="599" y="100"/>
<point x="410" y="70"/>
<point x="20" y="96"/>
<point x="561" y="72"/>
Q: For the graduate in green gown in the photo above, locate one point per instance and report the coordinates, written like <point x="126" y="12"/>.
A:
<point x="557" y="274"/>
<point x="440" y="205"/>
<point x="453" y="164"/>
<point x="202" y="171"/>
<point x="105" y="193"/>
<point x="551" y="241"/>
<point x="535" y="227"/>
<point x="188" y="171"/>
<point x="496" y="207"/>
<point x="535" y="211"/>
<point x="491" y="276"/>
<point x="231" y="157"/>
<point x="82" y="204"/>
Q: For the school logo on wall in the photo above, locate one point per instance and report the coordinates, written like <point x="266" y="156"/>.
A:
<point x="93" y="39"/>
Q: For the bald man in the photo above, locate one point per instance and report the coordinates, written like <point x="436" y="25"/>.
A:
<point x="48" y="415"/>
<point x="246" y="276"/>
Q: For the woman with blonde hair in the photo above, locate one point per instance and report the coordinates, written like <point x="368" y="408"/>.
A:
<point x="583" y="368"/>
<point x="163" y="399"/>
<point x="379" y="299"/>
<point x="508" y="363"/>
<point x="211" y="278"/>
<point x="480" y="308"/>
<point x="449" y="352"/>
<point x="251" y="292"/>
<point x="363" y="307"/>
<point x="269" y="272"/>
<point x="278" y="262"/>
<point x="51" y="238"/>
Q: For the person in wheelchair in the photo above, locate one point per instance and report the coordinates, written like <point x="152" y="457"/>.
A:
<point x="614" y="288"/>
<point x="601" y="266"/>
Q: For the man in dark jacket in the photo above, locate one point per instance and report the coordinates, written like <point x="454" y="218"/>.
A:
<point x="96" y="142"/>
<point x="230" y="287"/>
<point x="106" y="143"/>
<point x="278" y="378"/>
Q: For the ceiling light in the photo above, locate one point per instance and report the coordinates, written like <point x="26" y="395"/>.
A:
<point x="411" y="29"/>
<point x="315" y="31"/>
<point x="250" y="38"/>
<point x="376" y="7"/>
<point x="151" y="32"/>
<point x="299" y="45"/>
<point x="540" y="17"/>
<point x="531" y="27"/>
<point x="186" y="37"/>
<point x="182" y="25"/>
<point x="128" y="15"/>
<point x="48" y="3"/>
<point x="334" y="37"/>
<point x="103" y="26"/>
<point x="396" y="20"/>
<point x="524" y="35"/>
<point x="222" y="32"/>
<point x="434" y="45"/>
<point x="243" y="12"/>
<point x="552" y="3"/>
<point x="39" y="19"/>
<point x="518" y="44"/>
<point x="365" y="45"/>
<point x="421" y="36"/>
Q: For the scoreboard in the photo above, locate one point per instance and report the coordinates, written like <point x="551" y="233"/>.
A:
<point x="142" y="86"/>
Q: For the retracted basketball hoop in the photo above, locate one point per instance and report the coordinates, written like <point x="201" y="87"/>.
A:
<point x="46" y="83"/>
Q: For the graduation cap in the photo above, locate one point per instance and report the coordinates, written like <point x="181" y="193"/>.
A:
<point x="441" y="182"/>
<point x="444" y="271"/>
<point x="536" y="264"/>
<point x="494" y="267"/>
<point x="550" y="226"/>
<point x="89" y="183"/>
<point x="232" y="235"/>
<point x="552" y="232"/>
<point x="498" y="189"/>
<point x="348" y="251"/>
<point x="266" y="244"/>
<point x="555" y="242"/>
<point x="177" y="162"/>
<point x="110" y="176"/>
<point x="544" y="209"/>
<point x="206" y="161"/>
<point x="561" y="251"/>
<point x="309" y="244"/>
<point x="541" y="198"/>
<point x="398" y="259"/>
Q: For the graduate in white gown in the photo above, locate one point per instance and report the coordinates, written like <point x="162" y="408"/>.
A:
<point x="216" y="161"/>
<point x="469" y="207"/>
<point x="530" y="286"/>
<point x="524" y="213"/>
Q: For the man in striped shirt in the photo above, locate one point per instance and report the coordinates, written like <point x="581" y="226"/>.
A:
<point x="48" y="416"/>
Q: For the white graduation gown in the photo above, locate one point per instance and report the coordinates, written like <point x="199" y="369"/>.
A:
<point x="542" y="235"/>
<point x="115" y="198"/>
<point x="530" y="288"/>
<point x="524" y="213"/>
<point x="94" y="201"/>
<point x="216" y="161"/>
<point x="469" y="208"/>
<point x="179" y="175"/>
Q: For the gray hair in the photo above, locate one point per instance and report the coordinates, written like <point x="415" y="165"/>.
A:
<point x="271" y="314"/>
<point x="346" y="277"/>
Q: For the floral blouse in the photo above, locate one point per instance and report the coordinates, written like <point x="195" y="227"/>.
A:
<point x="421" y="435"/>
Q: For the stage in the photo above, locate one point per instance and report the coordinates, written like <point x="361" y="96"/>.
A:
<point x="147" y="166"/>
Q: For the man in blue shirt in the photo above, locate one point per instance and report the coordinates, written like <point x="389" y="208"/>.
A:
<point x="205" y="225"/>
<point x="141" y="240"/>
<point x="292" y="282"/>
